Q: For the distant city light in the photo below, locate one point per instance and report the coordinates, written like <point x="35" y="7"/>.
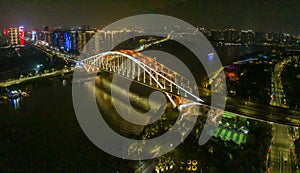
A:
<point x="6" y="31"/>
<point x="33" y="35"/>
<point x="39" y="66"/>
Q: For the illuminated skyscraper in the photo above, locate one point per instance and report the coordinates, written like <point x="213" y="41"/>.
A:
<point x="80" y="41"/>
<point x="21" y="35"/>
<point x="84" y="37"/>
<point x="45" y="36"/>
<point x="13" y="35"/>
<point x="55" y="40"/>
<point x="33" y="36"/>
<point x="67" y="41"/>
<point x="74" y="40"/>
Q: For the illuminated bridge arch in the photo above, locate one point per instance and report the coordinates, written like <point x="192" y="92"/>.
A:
<point x="134" y="65"/>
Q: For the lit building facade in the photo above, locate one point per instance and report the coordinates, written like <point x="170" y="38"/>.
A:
<point x="21" y="36"/>
<point x="72" y="40"/>
<point x="13" y="36"/>
<point x="33" y="36"/>
<point x="45" y="36"/>
<point x="67" y="41"/>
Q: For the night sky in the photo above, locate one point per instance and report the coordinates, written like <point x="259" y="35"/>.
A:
<point x="265" y="15"/>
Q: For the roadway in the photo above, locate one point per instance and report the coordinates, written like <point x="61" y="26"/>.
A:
<point x="280" y="150"/>
<point x="26" y="79"/>
<point x="49" y="52"/>
<point x="280" y="153"/>
<point x="277" y="95"/>
<point x="258" y="111"/>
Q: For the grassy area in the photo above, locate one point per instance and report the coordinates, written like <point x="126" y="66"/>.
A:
<point x="228" y="134"/>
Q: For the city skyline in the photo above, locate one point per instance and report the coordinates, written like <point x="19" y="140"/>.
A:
<point x="197" y="86"/>
<point x="267" y="16"/>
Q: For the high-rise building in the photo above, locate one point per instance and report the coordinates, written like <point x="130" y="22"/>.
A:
<point x="67" y="41"/>
<point x="83" y="37"/>
<point x="45" y="36"/>
<point x="80" y="40"/>
<point x="231" y="35"/>
<point x="14" y="36"/>
<point x="21" y="35"/>
<point x="61" y="40"/>
<point x="217" y="35"/>
<point x="89" y="35"/>
<point x="74" y="39"/>
<point x="55" y="39"/>
<point x="33" y="36"/>
<point x="247" y="37"/>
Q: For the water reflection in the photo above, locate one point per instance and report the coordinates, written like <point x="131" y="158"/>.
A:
<point x="15" y="103"/>
<point x="108" y="111"/>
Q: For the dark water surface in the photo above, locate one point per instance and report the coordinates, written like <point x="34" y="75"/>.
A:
<point x="43" y="135"/>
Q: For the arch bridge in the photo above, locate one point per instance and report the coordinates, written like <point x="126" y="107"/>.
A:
<point x="145" y="70"/>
